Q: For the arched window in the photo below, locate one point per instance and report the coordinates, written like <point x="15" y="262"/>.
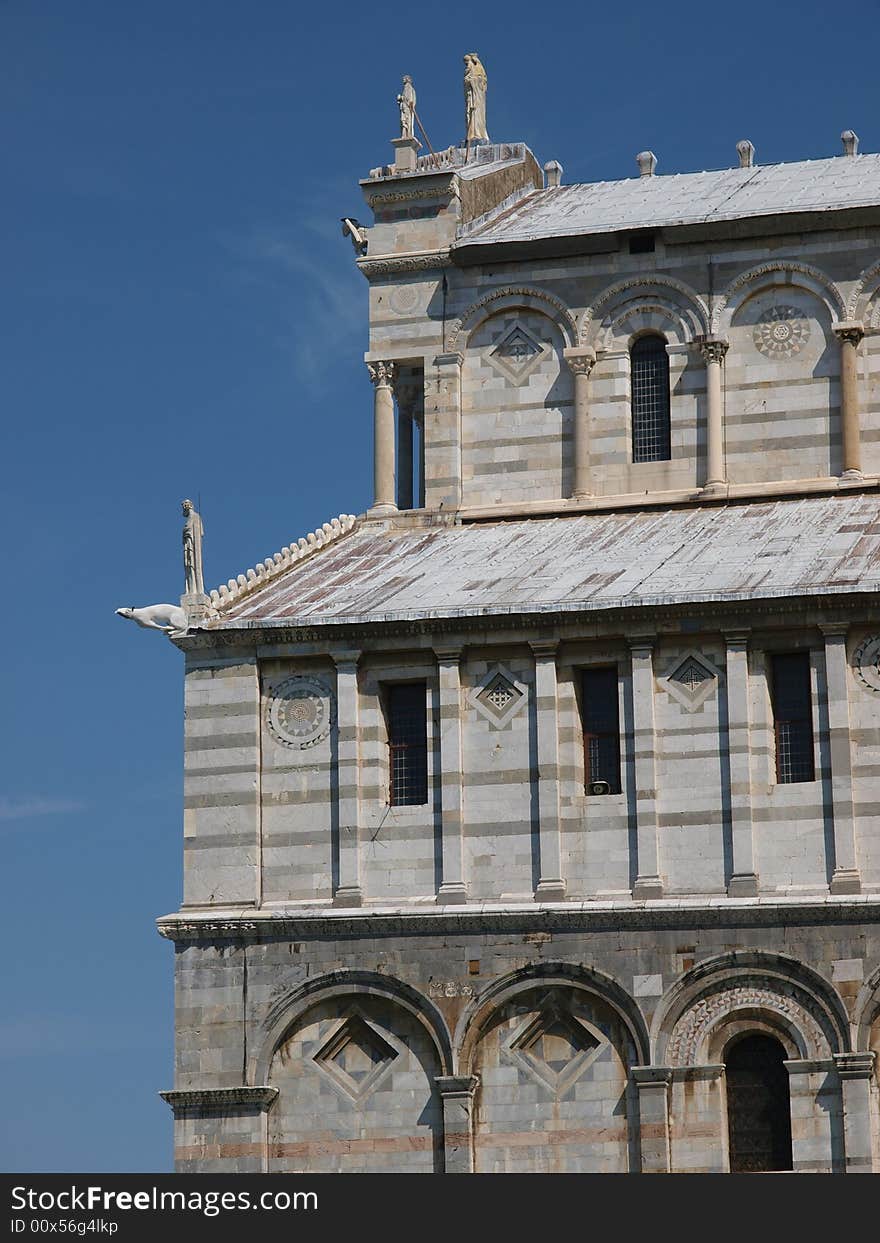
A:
<point x="758" y="1106"/>
<point x="649" y="369"/>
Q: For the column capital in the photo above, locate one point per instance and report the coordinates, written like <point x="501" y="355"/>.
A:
<point x="450" y="655"/>
<point x="737" y="638"/>
<point x="544" y="649"/>
<point x="849" y="330"/>
<point x="651" y="1076"/>
<point x="713" y="349"/>
<point x="455" y="359"/>
<point x="641" y="643"/>
<point x="382" y="372"/>
<point x="855" y="1065"/>
<point x="834" y="630"/>
<point x="457" y="1085"/>
<point x="210" y="1100"/>
<point x="580" y="361"/>
<point x="346" y="659"/>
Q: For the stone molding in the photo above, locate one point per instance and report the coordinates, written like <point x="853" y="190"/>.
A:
<point x="857" y="300"/>
<point x="855" y="1065"/>
<point x="264" y="571"/>
<point x="530" y="297"/>
<point x="390" y="265"/>
<point x="544" y="917"/>
<point x="213" y="1100"/>
<point x="826" y="289"/>
<point x="463" y="1086"/>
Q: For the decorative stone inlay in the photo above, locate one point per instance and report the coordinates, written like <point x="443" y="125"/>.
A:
<point x="782" y="332"/>
<point x="554" y="1046"/>
<point x="299" y="712"/>
<point x="867" y="663"/>
<point x="499" y="698"/>
<point x="692" y="680"/>
<point x="752" y="995"/>
<point x="404" y="299"/>
<point x="517" y="353"/>
<point x="355" y="1056"/>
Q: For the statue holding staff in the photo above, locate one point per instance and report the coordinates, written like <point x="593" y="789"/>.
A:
<point x="407" y="103"/>
<point x="193" y="533"/>
<point x="475" y="99"/>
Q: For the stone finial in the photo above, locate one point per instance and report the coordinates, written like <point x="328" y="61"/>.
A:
<point x="647" y="162"/>
<point x="850" y="140"/>
<point x="553" y="171"/>
<point x="746" y="152"/>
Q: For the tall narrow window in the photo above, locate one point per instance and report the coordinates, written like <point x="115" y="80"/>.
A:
<point x="601" y="728"/>
<point x="758" y="1106"/>
<point x="649" y="369"/>
<point x="407" y="744"/>
<point x="792" y="716"/>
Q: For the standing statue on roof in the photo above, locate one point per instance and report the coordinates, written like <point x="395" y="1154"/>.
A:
<point x="407" y="102"/>
<point x="475" y="99"/>
<point x="193" y="533"/>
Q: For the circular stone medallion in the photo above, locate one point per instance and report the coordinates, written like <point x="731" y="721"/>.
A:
<point x="867" y="662"/>
<point x="782" y="333"/>
<point x="300" y="712"/>
<point x="404" y="299"/>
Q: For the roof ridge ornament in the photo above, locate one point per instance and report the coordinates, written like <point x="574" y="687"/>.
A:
<point x="236" y="588"/>
<point x="850" y="140"/>
<point x="647" y="162"/>
<point x="746" y="152"/>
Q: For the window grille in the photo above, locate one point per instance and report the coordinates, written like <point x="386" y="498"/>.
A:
<point x="601" y="728"/>
<point x="407" y="744"/>
<point x="649" y="368"/>
<point x="792" y="716"/>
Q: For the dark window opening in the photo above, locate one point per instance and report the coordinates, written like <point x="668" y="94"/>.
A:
<point x="407" y="744"/>
<point x="792" y="716"/>
<point x="758" y="1106"/>
<point x="601" y="728"/>
<point x="649" y="368"/>
<point x="641" y="243"/>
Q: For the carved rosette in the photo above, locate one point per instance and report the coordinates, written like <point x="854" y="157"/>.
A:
<point x="782" y="333"/>
<point x="382" y="374"/>
<point x="299" y="712"/>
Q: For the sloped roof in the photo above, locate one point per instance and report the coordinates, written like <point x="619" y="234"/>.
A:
<point x="687" y="198"/>
<point x="797" y="547"/>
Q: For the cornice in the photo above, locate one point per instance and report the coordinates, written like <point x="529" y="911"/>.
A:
<point x="390" y="265"/>
<point x="558" y="917"/>
<point x="208" y="1100"/>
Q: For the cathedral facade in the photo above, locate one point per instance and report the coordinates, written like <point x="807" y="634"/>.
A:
<point x="531" y="817"/>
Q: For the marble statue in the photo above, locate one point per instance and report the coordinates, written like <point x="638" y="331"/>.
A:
<point x="193" y="534"/>
<point x="475" y="99"/>
<point x="407" y="102"/>
<point x="169" y="618"/>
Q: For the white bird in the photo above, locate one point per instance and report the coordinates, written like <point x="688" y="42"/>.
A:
<point x="169" y="618"/>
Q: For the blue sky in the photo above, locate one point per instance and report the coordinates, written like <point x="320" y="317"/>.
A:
<point x="180" y="316"/>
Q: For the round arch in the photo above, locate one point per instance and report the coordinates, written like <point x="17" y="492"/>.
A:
<point x="509" y="297"/>
<point x="865" y="293"/>
<point x="768" y="991"/>
<point x="684" y="302"/>
<point x="866" y="1010"/>
<point x="584" y="979"/>
<point x="778" y="273"/>
<point x="345" y="983"/>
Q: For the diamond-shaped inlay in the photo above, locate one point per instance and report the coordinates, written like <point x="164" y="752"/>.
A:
<point x="499" y="698"/>
<point x="555" y="1047"/>
<point x="517" y="353"/>
<point x="355" y="1056"/>
<point x="691" y="680"/>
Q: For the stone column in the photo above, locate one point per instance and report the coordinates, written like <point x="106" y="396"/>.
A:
<point x="744" y="878"/>
<point x="653" y="1083"/>
<point x="382" y="376"/>
<point x="443" y="428"/>
<point x="649" y="883"/>
<point x="856" y="1072"/>
<point x="849" y="333"/>
<point x="452" y="887"/>
<point x="551" y="886"/>
<point x="457" y="1094"/>
<point x="408" y="395"/>
<point x="580" y="364"/>
<point x="846" y="878"/>
<point x="713" y="350"/>
<point x="348" y="889"/>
